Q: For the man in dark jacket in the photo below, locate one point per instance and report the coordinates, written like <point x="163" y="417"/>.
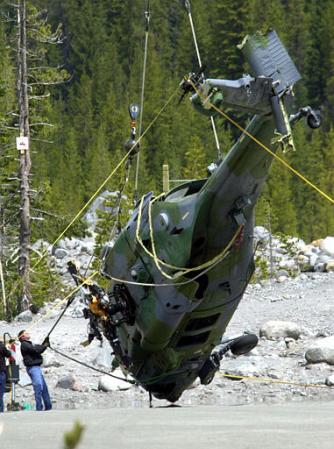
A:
<point x="32" y="359"/>
<point x="4" y="352"/>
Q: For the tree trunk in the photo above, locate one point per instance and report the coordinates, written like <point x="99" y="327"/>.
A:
<point x="2" y="279"/>
<point x="24" y="299"/>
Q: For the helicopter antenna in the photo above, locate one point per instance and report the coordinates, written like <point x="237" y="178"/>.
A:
<point x="147" y="19"/>
<point x="187" y="5"/>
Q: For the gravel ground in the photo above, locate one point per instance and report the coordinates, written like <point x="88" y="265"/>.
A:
<point x="306" y="301"/>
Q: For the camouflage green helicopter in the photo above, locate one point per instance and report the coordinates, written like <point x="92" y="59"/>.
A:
<point x="180" y="266"/>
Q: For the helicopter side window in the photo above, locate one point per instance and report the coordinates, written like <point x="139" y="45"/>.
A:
<point x="192" y="340"/>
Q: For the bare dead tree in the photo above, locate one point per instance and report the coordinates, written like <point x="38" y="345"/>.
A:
<point x="2" y="279"/>
<point x="24" y="300"/>
<point x="33" y="79"/>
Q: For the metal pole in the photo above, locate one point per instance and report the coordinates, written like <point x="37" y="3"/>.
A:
<point x="165" y="178"/>
<point x="213" y="125"/>
<point x="188" y="6"/>
<point x="214" y="129"/>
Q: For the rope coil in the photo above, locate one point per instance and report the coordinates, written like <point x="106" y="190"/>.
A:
<point x="182" y="271"/>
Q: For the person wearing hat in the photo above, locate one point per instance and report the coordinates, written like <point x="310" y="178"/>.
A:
<point x="4" y="352"/>
<point x="32" y="359"/>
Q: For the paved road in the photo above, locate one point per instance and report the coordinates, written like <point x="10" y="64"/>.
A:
<point x="290" y="426"/>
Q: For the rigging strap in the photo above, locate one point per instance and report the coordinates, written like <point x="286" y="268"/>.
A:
<point x="182" y="271"/>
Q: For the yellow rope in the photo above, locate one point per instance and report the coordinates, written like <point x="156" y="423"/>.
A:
<point x="100" y="188"/>
<point x="269" y="380"/>
<point x="262" y="145"/>
<point x="182" y="271"/>
<point x="155" y="285"/>
<point x="115" y="170"/>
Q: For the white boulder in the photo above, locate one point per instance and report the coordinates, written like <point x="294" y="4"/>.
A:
<point x="60" y="253"/>
<point x="50" y="360"/>
<point x="329" y="266"/>
<point x="303" y="262"/>
<point x="320" y="267"/>
<point x="321" y="351"/>
<point x="103" y="357"/>
<point x="69" y="382"/>
<point x="330" y="381"/>
<point x="24" y="378"/>
<point x="108" y="383"/>
<point x="282" y="279"/>
<point x="327" y="246"/>
<point x="24" y="317"/>
<point x="274" y="330"/>
<point x="261" y="234"/>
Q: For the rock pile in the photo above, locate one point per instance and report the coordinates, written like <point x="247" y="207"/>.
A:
<point x="278" y="257"/>
<point x="296" y="332"/>
<point x="282" y="257"/>
<point x="296" y="348"/>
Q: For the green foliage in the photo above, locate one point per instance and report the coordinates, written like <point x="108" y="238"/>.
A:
<point x="229" y="25"/>
<point x="113" y="214"/>
<point x="276" y="208"/>
<point x="262" y="270"/>
<point x="45" y="282"/>
<point x="102" y="53"/>
<point x="287" y="244"/>
<point x="74" y="436"/>
<point x="195" y="164"/>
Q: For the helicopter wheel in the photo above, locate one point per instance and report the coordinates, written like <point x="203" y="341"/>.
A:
<point x="244" y="344"/>
<point x="314" y="120"/>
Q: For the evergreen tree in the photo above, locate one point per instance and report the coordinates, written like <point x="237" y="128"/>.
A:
<point x="229" y="25"/>
<point x="195" y="165"/>
<point x="103" y="52"/>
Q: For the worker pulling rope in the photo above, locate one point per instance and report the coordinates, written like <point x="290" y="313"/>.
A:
<point x="181" y="271"/>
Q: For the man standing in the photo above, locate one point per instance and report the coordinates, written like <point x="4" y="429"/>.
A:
<point x="32" y="359"/>
<point x="4" y="352"/>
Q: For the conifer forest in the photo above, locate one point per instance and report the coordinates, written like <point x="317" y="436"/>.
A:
<point x="84" y="65"/>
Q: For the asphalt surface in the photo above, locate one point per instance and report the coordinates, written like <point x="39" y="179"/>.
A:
<point x="288" y="426"/>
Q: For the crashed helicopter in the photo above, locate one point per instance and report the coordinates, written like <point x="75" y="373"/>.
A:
<point x="179" y="268"/>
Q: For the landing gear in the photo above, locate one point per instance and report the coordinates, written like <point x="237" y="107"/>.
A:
<point x="238" y="346"/>
<point x="243" y="344"/>
<point x="313" y="117"/>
